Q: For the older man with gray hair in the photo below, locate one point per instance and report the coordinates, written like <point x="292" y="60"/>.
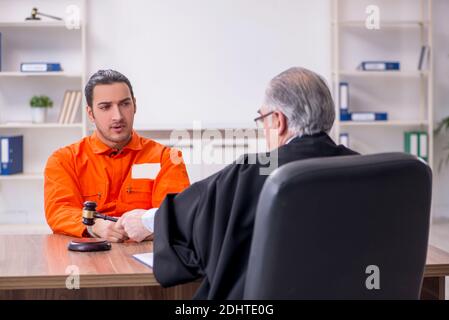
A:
<point x="299" y="103"/>
<point x="205" y="231"/>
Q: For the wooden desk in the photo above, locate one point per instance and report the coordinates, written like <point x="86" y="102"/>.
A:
<point x="35" y="267"/>
<point x="437" y="268"/>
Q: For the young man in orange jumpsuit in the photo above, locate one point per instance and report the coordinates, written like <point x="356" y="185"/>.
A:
<point x="114" y="167"/>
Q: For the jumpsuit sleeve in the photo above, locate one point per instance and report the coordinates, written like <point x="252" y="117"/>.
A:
<point x="62" y="196"/>
<point x="172" y="177"/>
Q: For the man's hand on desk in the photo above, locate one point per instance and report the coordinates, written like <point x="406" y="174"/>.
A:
<point x="131" y="222"/>
<point x="109" y="230"/>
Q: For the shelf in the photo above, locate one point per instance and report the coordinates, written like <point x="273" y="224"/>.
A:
<point x="23" y="177"/>
<point x="393" y="123"/>
<point x="15" y="229"/>
<point x="189" y="127"/>
<point x="35" y="24"/>
<point x="384" y="24"/>
<point x="27" y="125"/>
<point x="21" y="201"/>
<point x="349" y="30"/>
<point x="400" y="74"/>
<point x="15" y="74"/>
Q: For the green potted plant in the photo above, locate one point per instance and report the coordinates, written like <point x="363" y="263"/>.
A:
<point x="39" y="106"/>
<point x="444" y="124"/>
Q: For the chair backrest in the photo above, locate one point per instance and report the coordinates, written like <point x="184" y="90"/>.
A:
<point x="351" y="227"/>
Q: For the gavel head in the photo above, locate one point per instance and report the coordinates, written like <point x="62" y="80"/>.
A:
<point x="89" y="210"/>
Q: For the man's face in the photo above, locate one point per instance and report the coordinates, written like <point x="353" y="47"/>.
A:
<point x="112" y="111"/>
<point x="269" y="127"/>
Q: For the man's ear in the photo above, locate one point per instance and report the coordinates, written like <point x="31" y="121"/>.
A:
<point x="282" y="123"/>
<point x="90" y="113"/>
<point x="135" y="105"/>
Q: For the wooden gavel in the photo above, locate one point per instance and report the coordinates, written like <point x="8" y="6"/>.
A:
<point x="90" y="214"/>
<point x="88" y="244"/>
<point x="91" y="244"/>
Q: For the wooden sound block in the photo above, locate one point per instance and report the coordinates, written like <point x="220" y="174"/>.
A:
<point x="89" y="245"/>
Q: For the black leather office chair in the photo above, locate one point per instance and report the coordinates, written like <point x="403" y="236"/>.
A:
<point x="324" y="226"/>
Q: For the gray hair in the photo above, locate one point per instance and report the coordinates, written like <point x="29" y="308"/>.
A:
<point x="305" y="100"/>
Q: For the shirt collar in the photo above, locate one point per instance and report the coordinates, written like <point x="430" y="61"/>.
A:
<point x="290" y="140"/>
<point x="99" y="147"/>
<point x="135" y="142"/>
<point x="315" y="135"/>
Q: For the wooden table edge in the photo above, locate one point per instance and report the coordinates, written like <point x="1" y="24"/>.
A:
<point x="436" y="271"/>
<point x="86" y="281"/>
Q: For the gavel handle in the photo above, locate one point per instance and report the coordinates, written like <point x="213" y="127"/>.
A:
<point x="101" y="216"/>
<point x="48" y="16"/>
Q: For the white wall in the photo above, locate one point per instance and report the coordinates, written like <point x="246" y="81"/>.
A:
<point x="207" y="60"/>
<point x="204" y="60"/>
<point x="210" y="59"/>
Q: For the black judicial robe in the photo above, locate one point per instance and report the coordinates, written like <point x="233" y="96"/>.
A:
<point x="206" y="231"/>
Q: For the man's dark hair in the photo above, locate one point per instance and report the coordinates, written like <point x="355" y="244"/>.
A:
<point x="104" y="77"/>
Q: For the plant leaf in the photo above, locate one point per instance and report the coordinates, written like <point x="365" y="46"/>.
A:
<point x="444" y="123"/>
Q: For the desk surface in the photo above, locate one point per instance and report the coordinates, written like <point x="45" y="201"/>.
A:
<point x="41" y="261"/>
<point x="437" y="264"/>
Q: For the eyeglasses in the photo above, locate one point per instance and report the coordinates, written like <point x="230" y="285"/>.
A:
<point x="259" y="120"/>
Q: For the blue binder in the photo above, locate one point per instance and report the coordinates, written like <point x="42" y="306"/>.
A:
<point x="344" y="139"/>
<point x="369" y="116"/>
<point x="344" y="97"/>
<point x="345" y="116"/>
<point x="11" y="155"/>
<point x="380" y="66"/>
<point x="40" y="67"/>
<point x="364" y="116"/>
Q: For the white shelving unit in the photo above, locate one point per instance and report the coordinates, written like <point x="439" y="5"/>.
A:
<point x="40" y="125"/>
<point x="406" y="95"/>
<point x="13" y="74"/>
<point x="383" y="123"/>
<point x="33" y="24"/>
<point x="386" y="24"/>
<point x="40" y="41"/>
<point x="380" y="74"/>
<point x="27" y="228"/>
<point x="23" y="176"/>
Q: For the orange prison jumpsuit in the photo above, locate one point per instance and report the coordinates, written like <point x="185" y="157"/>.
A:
<point x="91" y="171"/>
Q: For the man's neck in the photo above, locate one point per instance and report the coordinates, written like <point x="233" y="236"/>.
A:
<point x="288" y="138"/>
<point x="120" y="146"/>
<point x="116" y="146"/>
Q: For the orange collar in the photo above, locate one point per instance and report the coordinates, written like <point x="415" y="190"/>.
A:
<point x="99" y="147"/>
